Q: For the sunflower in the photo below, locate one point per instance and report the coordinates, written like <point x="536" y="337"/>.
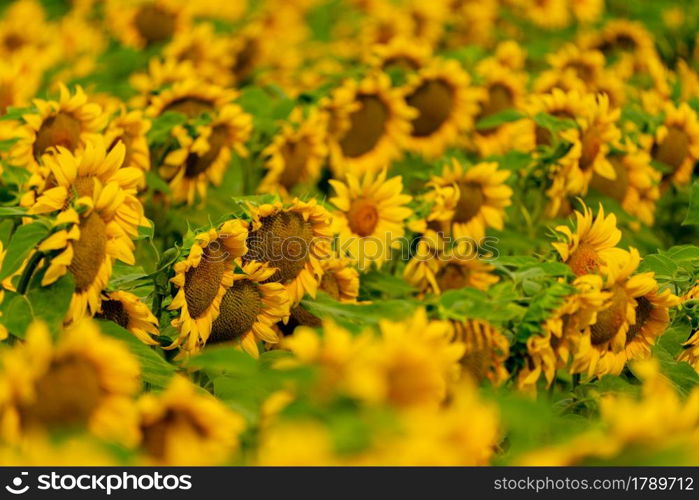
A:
<point x="185" y="426"/>
<point x="625" y="36"/>
<point x="250" y="308"/>
<point x="189" y="96"/>
<point x="652" y="318"/>
<point x="140" y="23"/>
<point x="560" y="334"/>
<point x="207" y="52"/>
<point x="19" y="82"/>
<point x="296" y="155"/>
<point x="676" y="142"/>
<point x="83" y="380"/>
<point x="202" y="279"/>
<point x="636" y="184"/>
<point x="402" y="53"/>
<point x="483" y="196"/>
<point x="68" y="122"/>
<point x="472" y="22"/>
<point x="99" y="215"/>
<point x="486" y="350"/>
<point x="414" y="364"/>
<point x="370" y="216"/>
<point x="549" y="14"/>
<point x="368" y="124"/>
<point x="161" y="73"/>
<point x="129" y="312"/>
<point x="130" y="127"/>
<point x="204" y="159"/>
<point x="340" y="281"/>
<point x="587" y="11"/>
<point x="593" y="244"/>
<point x="445" y="104"/>
<point x="292" y="238"/>
<point x="602" y="351"/>
<point x="25" y="35"/>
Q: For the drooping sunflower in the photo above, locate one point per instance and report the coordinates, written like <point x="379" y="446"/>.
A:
<point x="446" y="106"/>
<point x="676" y="142"/>
<point x="84" y="380"/>
<point x="486" y="350"/>
<point x="292" y="238"/>
<point x="95" y="199"/>
<point x="602" y="351"/>
<point x="250" y="308"/>
<point x="129" y="312"/>
<point x="140" y="23"/>
<point x="370" y="217"/>
<point x="185" y="426"/>
<point x="296" y="155"/>
<point x="592" y="245"/>
<point x="636" y="185"/>
<point x="368" y="124"/>
<point x="202" y="279"/>
<point x="68" y="122"/>
<point x="483" y="196"/>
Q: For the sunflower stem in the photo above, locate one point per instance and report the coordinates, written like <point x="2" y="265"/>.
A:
<point x="28" y="272"/>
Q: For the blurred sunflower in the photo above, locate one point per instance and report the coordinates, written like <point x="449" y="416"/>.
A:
<point x="100" y="215"/>
<point x="368" y="124"/>
<point x="371" y="216"/>
<point x="207" y="52"/>
<point x="292" y="238"/>
<point x="68" y="123"/>
<point x="140" y="23"/>
<point x="587" y="65"/>
<point x="676" y="142"/>
<point x="296" y="154"/>
<point x="250" y="308"/>
<point x="201" y="280"/>
<point x="593" y="244"/>
<point x="486" y="350"/>
<point x="483" y="196"/>
<point x="129" y="312"/>
<point x="445" y="105"/>
<point x="186" y="426"/>
<point x="130" y="127"/>
<point x="401" y="53"/>
<point x="84" y="380"/>
<point x="549" y="14"/>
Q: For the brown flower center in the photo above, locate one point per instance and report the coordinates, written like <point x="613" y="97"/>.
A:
<point x="583" y="71"/>
<point x="296" y="155"/>
<point x="196" y="164"/>
<point x="610" y="320"/>
<point x="114" y="310"/>
<point x="616" y="188"/>
<point x="285" y="241"/>
<point x="155" y="24"/>
<point x="66" y="395"/>
<point x="644" y="308"/>
<point x="673" y="149"/>
<point x="500" y="98"/>
<point x="59" y="130"/>
<point x="246" y="59"/>
<point x="330" y="285"/>
<point x="470" y="202"/>
<point x="201" y="283"/>
<point x="367" y="126"/>
<point x="89" y="251"/>
<point x="591" y="145"/>
<point x="434" y="102"/>
<point x="14" y="41"/>
<point x="400" y="62"/>
<point x="584" y="260"/>
<point x="363" y="216"/>
<point x="190" y="106"/>
<point x="239" y="309"/>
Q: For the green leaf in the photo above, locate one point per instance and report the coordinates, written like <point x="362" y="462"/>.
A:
<point x="51" y="303"/>
<point x="16" y="314"/>
<point x="155" y="370"/>
<point x="496" y="119"/>
<point x="161" y="126"/>
<point x="553" y="123"/>
<point x="225" y="359"/>
<point x="23" y="241"/>
<point x="13" y="212"/>
<point x="384" y="285"/>
<point x="693" y="210"/>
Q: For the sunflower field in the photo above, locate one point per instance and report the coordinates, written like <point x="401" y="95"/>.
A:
<point x="349" y="232"/>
